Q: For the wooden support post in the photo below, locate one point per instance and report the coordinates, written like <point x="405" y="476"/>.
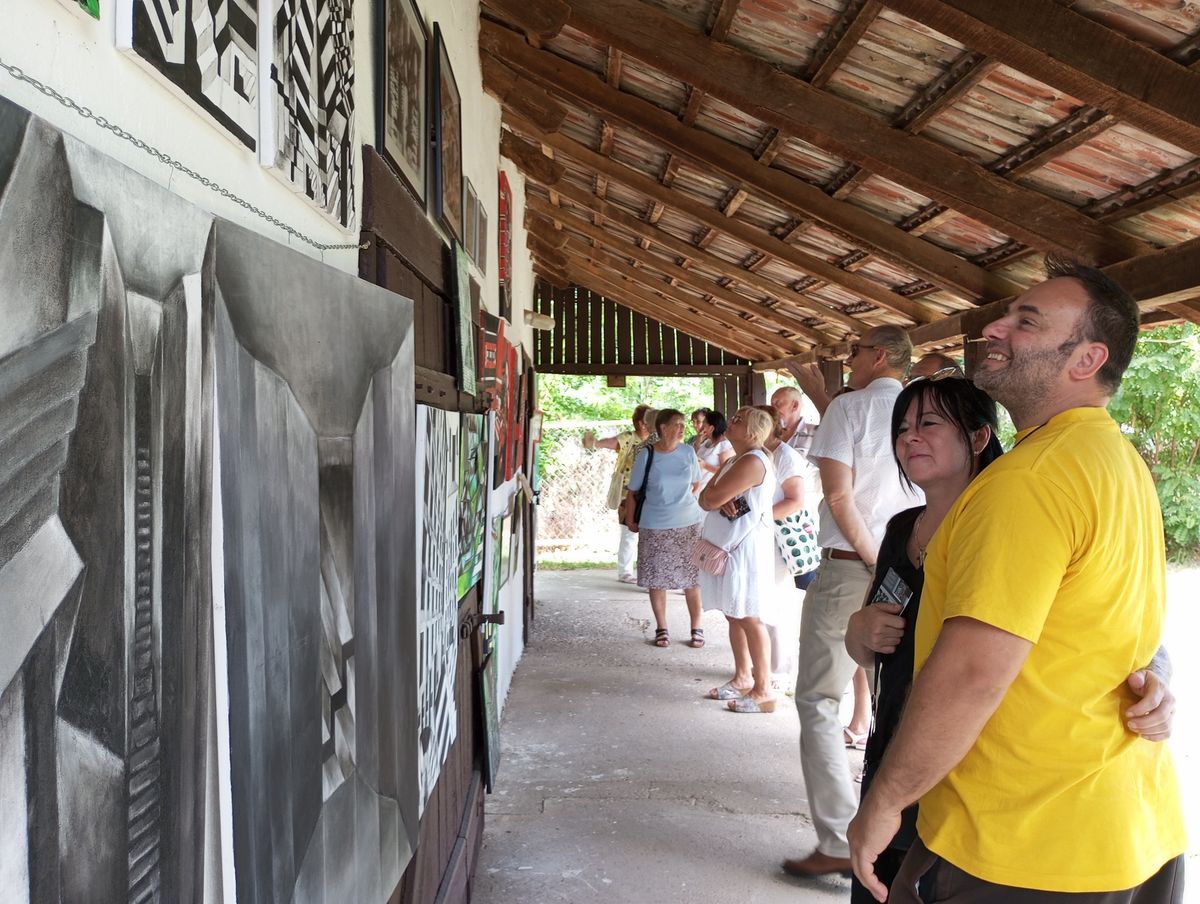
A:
<point x="758" y="387"/>
<point x="832" y="369"/>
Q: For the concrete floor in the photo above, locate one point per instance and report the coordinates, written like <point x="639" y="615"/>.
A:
<point x="619" y="783"/>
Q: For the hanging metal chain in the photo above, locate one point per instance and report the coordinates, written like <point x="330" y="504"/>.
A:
<point x="20" y="74"/>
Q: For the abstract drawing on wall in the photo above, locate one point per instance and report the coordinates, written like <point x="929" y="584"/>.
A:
<point x="470" y="219"/>
<point x="403" y="95"/>
<point x="446" y="110"/>
<point x="489" y="706"/>
<point x="514" y="558"/>
<point x="207" y="50"/>
<point x="308" y="103"/>
<point x="437" y="609"/>
<point x="465" y="324"/>
<point x="88" y="7"/>
<point x="207" y="679"/>
<point x="506" y="536"/>
<point x="481" y="257"/>
<point x="472" y="500"/>
<point x="504" y="245"/>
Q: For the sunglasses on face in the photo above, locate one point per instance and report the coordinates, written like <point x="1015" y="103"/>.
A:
<point x="856" y="347"/>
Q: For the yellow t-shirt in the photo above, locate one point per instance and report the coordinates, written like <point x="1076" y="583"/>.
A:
<point x="1059" y="542"/>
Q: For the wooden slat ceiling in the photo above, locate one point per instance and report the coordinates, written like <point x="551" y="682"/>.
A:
<point x="812" y="169"/>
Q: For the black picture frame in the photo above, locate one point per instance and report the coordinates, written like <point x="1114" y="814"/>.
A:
<point x="446" y="111"/>
<point x="406" y="149"/>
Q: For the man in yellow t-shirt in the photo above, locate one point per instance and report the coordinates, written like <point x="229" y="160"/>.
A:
<point x="1044" y="588"/>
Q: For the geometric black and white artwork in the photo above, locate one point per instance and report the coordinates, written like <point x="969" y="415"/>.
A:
<point x="208" y="682"/>
<point x="437" y="614"/>
<point x="308" y="103"/>
<point x="206" y="49"/>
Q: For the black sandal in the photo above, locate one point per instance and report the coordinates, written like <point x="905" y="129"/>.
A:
<point x="697" y="640"/>
<point x="661" y="637"/>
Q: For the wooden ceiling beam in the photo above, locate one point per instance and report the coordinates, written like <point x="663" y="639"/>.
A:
<point x="709" y="261"/>
<point x="967" y="71"/>
<point x="1080" y="127"/>
<point x="1163" y="277"/>
<point x="511" y="90"/>
<point x="1185" y="310"/>
<point x="840" y="39"/>
<point x="753" y="236"/>
<point x="541" y="18"/>
<point x="759" y="88"/>
<point x="1085" y="58"/>
<point x="696" y="313"/>
<point x="776" y="319"/>
<point x="530" y="159"/>
<point x="908" y="252"/>
<point x="722" y="19"/>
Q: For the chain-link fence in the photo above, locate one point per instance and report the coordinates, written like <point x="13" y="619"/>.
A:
<point x="575" y="523"/>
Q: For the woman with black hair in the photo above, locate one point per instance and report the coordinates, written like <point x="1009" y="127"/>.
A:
<point x="943" y="435"/>
<point x="713" y="449"/>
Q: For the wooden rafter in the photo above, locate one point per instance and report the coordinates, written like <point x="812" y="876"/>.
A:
<point x="753" y="236"/>
<point x="967" y="71"/>
<point x="1080" y="127"/>
<point x="681" y="248"/>
<point x="544" y="19"/>
<point x="673" y="307"/>
<point x="1068" y="50"/>
<point x="754" y="85"/>
<point x="840" y="39"/>
<point x="706" y="150"/>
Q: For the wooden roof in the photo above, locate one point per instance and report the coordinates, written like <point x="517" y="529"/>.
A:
<point x="812" y="168"/>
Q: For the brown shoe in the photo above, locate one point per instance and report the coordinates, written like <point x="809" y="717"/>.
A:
<point x="818" y="864"/>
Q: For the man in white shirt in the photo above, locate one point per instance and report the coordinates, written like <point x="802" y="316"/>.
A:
<point x="862" y="491"/>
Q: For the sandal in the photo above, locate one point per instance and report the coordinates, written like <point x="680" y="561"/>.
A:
<point x="726" y="692"/>
<point x="853" y="740"/>
<point x="697" y="640"/>
<point x="661" y="637"/>
<point x="750" y="705"/>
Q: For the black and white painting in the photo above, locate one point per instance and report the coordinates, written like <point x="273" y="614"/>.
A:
<point x="208" y="686"/>
<point x="207" y="50"/>
<point x="437" y="459"/>
<point x="308" y="103"/>
<point x="403" y="97"/>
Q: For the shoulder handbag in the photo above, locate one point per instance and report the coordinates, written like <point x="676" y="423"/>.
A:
<point x="796" y="540"/>
<point x="713" y="559"/>
<point x="639" y="495"/>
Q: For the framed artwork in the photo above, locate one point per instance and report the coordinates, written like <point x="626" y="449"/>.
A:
<point x="206" y="50"/>
<point x="506" y="547"/>
<point x="471" y="221"/>
<point x="446" y="108"/>
<point x="307" y="115"/>
<point x="481" y="231"/>
<point x="489" y="708"/>
<point x="90" y="7"/>
<point x="514" y="561"/>
<point x="472" y="500"/>
<point x="466" y="322"/>
<point x="403" y="61"/>
<point x="504" y="242"/>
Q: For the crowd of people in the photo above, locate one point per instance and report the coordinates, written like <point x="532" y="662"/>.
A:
<point x="998" y="614"/>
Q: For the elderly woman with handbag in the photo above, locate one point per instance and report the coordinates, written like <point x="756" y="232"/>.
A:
<point x="661" y="509"/>
<point x="736" y="555"/>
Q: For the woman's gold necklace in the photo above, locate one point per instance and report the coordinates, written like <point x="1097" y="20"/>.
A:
<point x="917" y="537"/>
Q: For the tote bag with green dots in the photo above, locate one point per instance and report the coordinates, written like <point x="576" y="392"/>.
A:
<point x="796" y="539"/>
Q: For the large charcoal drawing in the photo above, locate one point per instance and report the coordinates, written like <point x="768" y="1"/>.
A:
<point x="438" y="452"/>
<point x="208" y="667"/>
<point x="315" y="460"/>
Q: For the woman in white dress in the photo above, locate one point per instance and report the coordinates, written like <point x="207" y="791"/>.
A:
<point x="788" y="499"/>
<point x="746" y="591"/>
<point x="712" y="447"/>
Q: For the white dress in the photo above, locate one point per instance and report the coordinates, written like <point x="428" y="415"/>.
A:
<point x="747" y="588"/>
<point x="710" y="454"/>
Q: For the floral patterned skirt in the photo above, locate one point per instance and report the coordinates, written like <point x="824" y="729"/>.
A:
<point x="665" y="558"/>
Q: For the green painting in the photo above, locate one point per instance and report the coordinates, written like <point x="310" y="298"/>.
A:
<point x="472" y="500"/>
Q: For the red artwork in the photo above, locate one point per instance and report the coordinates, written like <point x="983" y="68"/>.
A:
<point x="501" y="383"/>
<point x="504" y="232"/>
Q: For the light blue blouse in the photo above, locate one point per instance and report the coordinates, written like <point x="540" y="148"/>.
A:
<point x="670" y="501"/>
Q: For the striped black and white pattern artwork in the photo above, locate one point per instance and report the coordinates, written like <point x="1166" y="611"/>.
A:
<point x="309" y="122"/>
<point x="206" y="49"/>
<point x="437" y="613"/>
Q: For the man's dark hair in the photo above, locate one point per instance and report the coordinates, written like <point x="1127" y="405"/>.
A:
<point x="717" y="421"/>
<point x="1111" y="318"/>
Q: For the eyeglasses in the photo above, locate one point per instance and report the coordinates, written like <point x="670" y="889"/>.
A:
<point x="856" y="347"/>
<point x="736" y="419"/>
<point x="944" y="373"/>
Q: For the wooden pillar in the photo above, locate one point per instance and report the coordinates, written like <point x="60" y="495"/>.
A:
<point x="758" y="388"/>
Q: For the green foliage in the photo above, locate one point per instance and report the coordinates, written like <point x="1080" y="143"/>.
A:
<point x="568" y="397"/>
<point x="1158" y="407"/>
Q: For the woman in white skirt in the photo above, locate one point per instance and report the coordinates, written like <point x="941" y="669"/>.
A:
<point x="739" y="501"/>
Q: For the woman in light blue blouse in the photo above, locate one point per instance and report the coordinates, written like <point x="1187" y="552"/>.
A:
<point x="670" y="522"/>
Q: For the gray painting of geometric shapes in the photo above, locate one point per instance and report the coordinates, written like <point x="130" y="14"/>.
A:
<point x="437" y="612"/>
<point x="315" y="456"/>
<point x="206" y="49"/>
<point x="168" y="415"/>
<point x="308" y="114"/>
<point x="105" y="661"/>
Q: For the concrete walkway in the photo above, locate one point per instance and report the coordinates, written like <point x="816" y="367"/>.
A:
<point x="619" y="783"/>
